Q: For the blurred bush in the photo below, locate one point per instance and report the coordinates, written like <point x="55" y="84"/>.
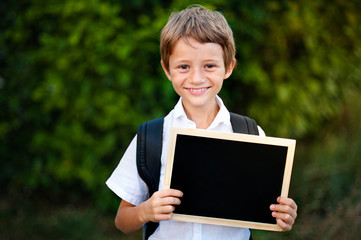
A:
<point x="77" y="77"/>
<point x="326" y="181"/>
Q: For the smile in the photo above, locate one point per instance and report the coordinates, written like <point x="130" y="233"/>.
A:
<point x="198" y="90"/>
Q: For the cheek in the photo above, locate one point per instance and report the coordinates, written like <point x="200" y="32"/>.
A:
<point x="177" y="87"/>
<point x="221" y="76"/>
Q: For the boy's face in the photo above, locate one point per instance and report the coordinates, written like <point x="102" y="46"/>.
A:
<point x="197" y="71"/>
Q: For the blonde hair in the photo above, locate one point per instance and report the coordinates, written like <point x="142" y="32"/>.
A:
<point x="200" y="24"/>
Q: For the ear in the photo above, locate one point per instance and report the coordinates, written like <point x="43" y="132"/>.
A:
<point x="230" y="68"/>
<point x="165" y="70"/>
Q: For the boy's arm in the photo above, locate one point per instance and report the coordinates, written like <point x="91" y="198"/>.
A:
<point x="285" y="212"/>
<point x="159" y="207"/>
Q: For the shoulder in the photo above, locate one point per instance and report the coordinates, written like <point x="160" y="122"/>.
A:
<point x="125" y="180"/>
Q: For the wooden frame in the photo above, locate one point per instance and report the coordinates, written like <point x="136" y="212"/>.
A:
<point x="238" y="196"/>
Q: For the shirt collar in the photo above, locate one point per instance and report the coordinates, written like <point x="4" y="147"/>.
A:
<point x="179" y="110"/>
<point x="222" y="116"/>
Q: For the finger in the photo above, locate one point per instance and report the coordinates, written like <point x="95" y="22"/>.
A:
<point x="285" y="217"/>
<point x="169" y="192"/>
<point x="175" y="193"/>
<point x="285" y="209"/>
<point x="163" y="217"/>
<point x="287" y="205"/>
<point x="165" y="209"/>
<point x="170" y="201"/>
<point x="287" y="201"/>
<point x="283" y="225"/>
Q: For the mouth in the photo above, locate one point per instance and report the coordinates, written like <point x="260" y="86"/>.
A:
<point x="197" y="91"/>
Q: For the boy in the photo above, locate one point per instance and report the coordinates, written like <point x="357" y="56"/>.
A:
<point x="197" y="54"/>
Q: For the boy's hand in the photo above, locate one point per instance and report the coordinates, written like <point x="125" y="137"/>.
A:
<point x="285" y="212"/>
<point x="160" y="206"/>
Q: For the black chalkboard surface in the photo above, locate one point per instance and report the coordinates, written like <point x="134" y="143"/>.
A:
<point x="228" y="179"/>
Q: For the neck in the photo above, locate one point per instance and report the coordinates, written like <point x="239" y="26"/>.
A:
<point x="203" y="118"/>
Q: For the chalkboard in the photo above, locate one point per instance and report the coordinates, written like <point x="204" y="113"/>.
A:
<point x="228" y="178"/>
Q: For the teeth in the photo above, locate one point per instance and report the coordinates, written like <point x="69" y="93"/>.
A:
<point x="197" y="90"/>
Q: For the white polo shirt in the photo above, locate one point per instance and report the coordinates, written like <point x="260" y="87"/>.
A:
<point x="127" y="184"/>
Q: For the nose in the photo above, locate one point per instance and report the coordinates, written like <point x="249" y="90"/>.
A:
<point x="197" y="76"/>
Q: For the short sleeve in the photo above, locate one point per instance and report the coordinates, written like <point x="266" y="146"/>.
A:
<point x="261" y="132"/>
<point x="125" y="180"/>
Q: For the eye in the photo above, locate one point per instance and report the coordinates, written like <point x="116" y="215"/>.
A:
<point x="209" y="66"/>
<point x="183" y="67"/>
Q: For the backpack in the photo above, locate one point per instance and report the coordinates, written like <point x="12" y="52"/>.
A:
<point x="149" y="150"/>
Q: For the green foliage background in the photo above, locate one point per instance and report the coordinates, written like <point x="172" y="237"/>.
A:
<point x="77" y="77"/>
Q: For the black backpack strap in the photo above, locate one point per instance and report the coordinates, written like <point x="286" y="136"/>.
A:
<point x="149" y="151"/>
<point x="243" y="124"/>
